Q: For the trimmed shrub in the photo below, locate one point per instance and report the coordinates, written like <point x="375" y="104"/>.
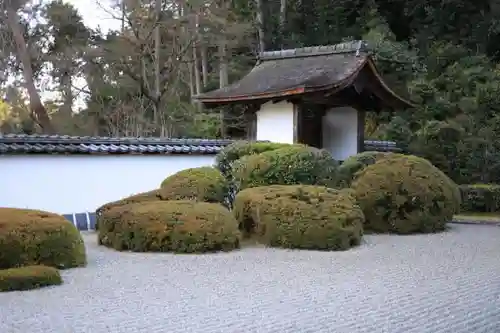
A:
<point x="286" y="166"/>
<point x="405" y="194"/>
<point x="227" y="156"/>
<point x="148" y="196"/>
<point x="355" y="163"/>
<point x="153" y="195"/>
<point x="480" y="198"/>
<point x="29" y="277"/>
<point x="300" y="216"/>
<point x="200" y="184"/>
<point x="32" y="237"/>
<point x="169" y="226"/>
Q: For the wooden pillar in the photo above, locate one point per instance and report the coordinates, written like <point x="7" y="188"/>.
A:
<point x="361" y="130"/>
<point x="296" y="123"/>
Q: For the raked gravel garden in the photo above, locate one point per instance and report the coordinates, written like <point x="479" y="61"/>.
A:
<point x="440" y="283"/>
<point x="274" y="238"/>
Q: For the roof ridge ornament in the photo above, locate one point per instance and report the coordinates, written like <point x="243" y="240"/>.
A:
<point x="354" y="46"/>
<point x="362" y="46"/>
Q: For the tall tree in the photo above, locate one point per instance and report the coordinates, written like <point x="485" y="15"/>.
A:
<point x="38" y="111"/>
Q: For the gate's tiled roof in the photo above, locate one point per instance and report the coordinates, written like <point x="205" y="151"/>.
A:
<point x="301" y="71"/>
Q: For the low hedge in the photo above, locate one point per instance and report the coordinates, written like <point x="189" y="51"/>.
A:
<point x="286" y="166"/>
<point x="29" y="277"/>
<point x="169" y="226"/>
<point x="227" y="156"/>
<point x="300" y="216"/>
<point x="200" y="184"/>
<point x="406" y="194"/>
<point x="356" y="163"/>
<point x="32" y="237"/>
<point x="480" y="198"/>
<point x="153" y="195"/>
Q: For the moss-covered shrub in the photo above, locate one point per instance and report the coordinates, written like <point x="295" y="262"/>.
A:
<point x="29" y="277"/>
<point x="300" y="216"/>
<point x="355" y="163"/>
<point x="169" y="226"/>
<point x="286" y="166"/>
<point x="226" y="157"/>
<point x="153" y="195"/>
<point x="200" y="184"/>
<point x="480" y="198"/>
<point x="31" y="237"/>
<point x="405" y="194"/>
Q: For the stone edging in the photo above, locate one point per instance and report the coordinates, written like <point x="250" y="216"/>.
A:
<point x="476" y="222"/>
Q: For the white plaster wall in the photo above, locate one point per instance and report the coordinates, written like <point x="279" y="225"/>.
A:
<point x="275" y="122"/>
<point x="340" y="132"/>
<point x="81" y="183"/>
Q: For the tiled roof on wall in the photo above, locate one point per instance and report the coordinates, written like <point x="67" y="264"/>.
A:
<point x="64" y="144"/>
<point x="388" y="146"/>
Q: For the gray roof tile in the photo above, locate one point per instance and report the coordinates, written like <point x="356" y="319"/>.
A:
<point x="295" y="72"/>
<point x="64" y="144"/>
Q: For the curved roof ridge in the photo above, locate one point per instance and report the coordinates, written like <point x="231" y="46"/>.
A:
<point x="355" y="46"/>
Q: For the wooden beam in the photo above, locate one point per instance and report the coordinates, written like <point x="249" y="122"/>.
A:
<point x="372" y="86"/>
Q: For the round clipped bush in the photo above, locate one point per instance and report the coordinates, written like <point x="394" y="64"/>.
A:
<point x="32" y="237"/>
<point x="226" y="157"/>
<point x="153" y="195"/>
<point x="406" y="194"/>
<point x="200" y="184"/>
<point x="300" y="216"/>
<point x="29" y="277"/>
<point x="355" y="163"/>
<point x="286" y="166"/>
<point x="169" y="226"/>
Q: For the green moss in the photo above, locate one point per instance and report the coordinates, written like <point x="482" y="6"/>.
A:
<point x="406" y="194"/>
<point x="356" y="163"/>
<point x="201" y="184"/>
<point x="483" y="186"/>
<point x="169" y="226"/>
<point x="300" y="216"/>
<point x="481" y="198"/>
<point x="153" y="195"/>
<point x="482" y="217"/>
<point x="29" y="277"/>
<point x="31" y="237"/>
<point x="286" y="166"/>
<point x="227" y="156"/>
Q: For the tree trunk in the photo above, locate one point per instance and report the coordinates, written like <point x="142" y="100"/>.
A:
<point x="204" y="63"/>
<point x="196" y="62"/>
<point x="67" y="91"/>
<point x="260" y="24"/>
<point x="223" y="68"/>
<point x="38" y="111"/>
<point x="223" y="65"/>
<point x="223" y="56"/>
<point x="192" y="90"/>
<point x="282" y="22"/>
<point x="157" y="61"/>
<point x="223" y="79"/>
<point x="123" y="9"/>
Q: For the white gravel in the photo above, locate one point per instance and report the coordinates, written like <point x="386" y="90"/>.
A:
<point x="442" y="283"/>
